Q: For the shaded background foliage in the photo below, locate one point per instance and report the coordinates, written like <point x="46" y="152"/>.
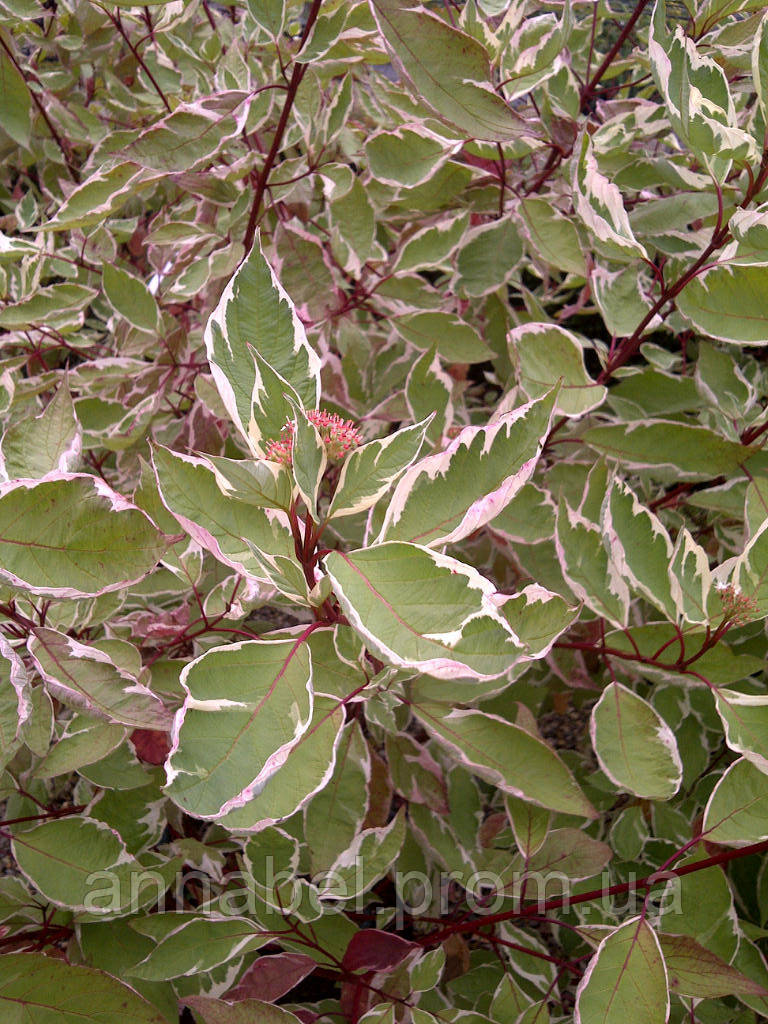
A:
<point x="542" y="225"/>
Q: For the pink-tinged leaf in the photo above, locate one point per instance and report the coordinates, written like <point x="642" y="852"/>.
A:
<point x="253" y="541"/>
<point x="36" y="988"/>
<point x="70" y="535"/>
<point x="447" y="496"/>
<point x="449" y="69"/>
<point x="419" y="609"/>
<point x="86" y="678"/>
<point x="374" y="950"/>
<point x="695" y="971"/>
<point x="247" y="705"/>
<point x="252" y="1011"/>
<point x="151" y="746"/>
<point x="270" y="977"/>
<point x="191" y="134"/>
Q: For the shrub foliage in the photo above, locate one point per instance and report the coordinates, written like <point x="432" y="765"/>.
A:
<point x="384" y="511"/>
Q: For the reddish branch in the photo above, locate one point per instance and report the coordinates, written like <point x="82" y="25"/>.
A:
<point x="589" y="88"/>
<point x="61" y="812"/>
<point x="297" y="74"/>
<point x="620" y="889"/>
<point x="720" y="237"/>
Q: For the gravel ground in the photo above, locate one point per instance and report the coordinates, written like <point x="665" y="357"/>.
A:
<point x="568" y="730"/>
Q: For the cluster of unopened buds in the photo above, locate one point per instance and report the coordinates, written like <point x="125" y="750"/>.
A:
<point x="737" y="607"/>
<point x="339" y="436"/>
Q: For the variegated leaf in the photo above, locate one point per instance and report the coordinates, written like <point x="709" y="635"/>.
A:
<point x="254" y="314"/>
<point x="419" y="609"/>
<point x="446" y="496"/>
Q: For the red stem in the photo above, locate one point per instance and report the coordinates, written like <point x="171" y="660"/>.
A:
<point x="621" y="888"/>
<point x="299" y="70"/>
<point x="589" y="88"/>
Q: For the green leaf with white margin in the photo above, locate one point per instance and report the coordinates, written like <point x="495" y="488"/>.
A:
<point x="409" y="157"/>
<point x="721" y="381"/>
<point x="429" y="392"/>
<point x="79" y="863"/>
<point x="701" y="904"/>
<point x="635" y="747"/>
<point x="199" y="945"/>
<point x="692" y="451"/>
<point x="745" y="720"/>
<point x="83" y="742"/>
<point x="15" y="701"/>
<point x="567" y="855"/>
<point x="130" y="298"/>
<point x="694" y="970"/>
<point x="449" y="70"/>
<point x="691" y="579"/>
<point x="697" y="97"/>
<point x="335" y="815"/>
<point x="37" y="728"/>
<point x="39" y="989"/>
<point x="269" y="15"/>
<point x="419" y="609"/>
<point x="544" y="354"/>
<point x="727" y="302"/>
<point x="309" y="460"/>
<point x="37" y="445"/>
<point x="456" y="340"/>
<point x="750" y="573"/>
<point x="587" y="568"/>
<point x="306" y="770"/>
<point x="639" y="547"/>
<point x="538" y="617"/>
<point x="73" y="536"/>
<point x="254" y="314"/>
<point x="599" y="206"/>
<point x="274" y="400"/>
<point x="626" y="979"/>
<point x="529" y="823"/>
<point x="487" y="258"/>
<point x="737" y="811"/>
<point x="256" y="542"/>
<point x="756" y="505"/>
<point x="369" y="471"/>
<point x="622" y="296"/>
<point x="48" y="304"/>
<point x="367" y="859"/>
<point x="87" y="679"/>
<point x="96" y="198"/>
<point x="246" y="705"/>
<point x="527" y="519"/>
<point x="431" y="246"/>
<point x="446" y="496"/>
<point x="255" y="481"/>
<point x="505" y="755"/>
<point x="553" y="237"/>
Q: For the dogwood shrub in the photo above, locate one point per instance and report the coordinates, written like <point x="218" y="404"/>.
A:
<point x="384" y="512"/>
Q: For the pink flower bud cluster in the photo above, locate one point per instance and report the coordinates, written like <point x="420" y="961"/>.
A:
<point x="339" y="436"/>
<point x="737" y="606"/>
